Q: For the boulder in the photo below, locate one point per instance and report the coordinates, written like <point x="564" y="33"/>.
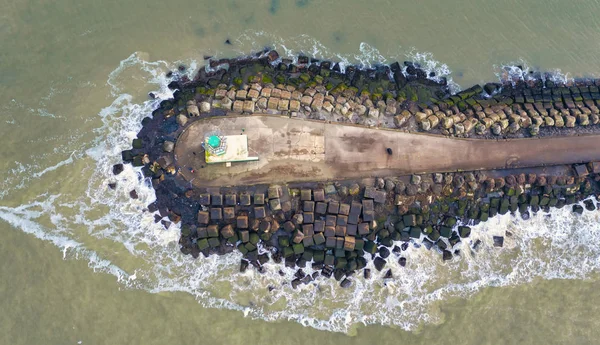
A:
<point x="181" y="120"/>
<point x="374" y="113"/>
<point x="346" y="283"/>
<point x="379" y="263"/>
<point x="447" y="122"/>
<point x="491" y="88"/>
<point x="384" y="252"/>
<point x="205" y="107"/>
<point x="496" y="129"/>
<point x="389" y="185"/>
<point x="469" y="125"/>
<point x="227" y="231"/>
<point x="589" y="205"/>
<point x="459" y="128"/>
<point x="446" y="255"/>
<point x="426" y="125"/>
<point x="498" y="241"/>
<point x="434" y="121"/>
<point x="402" y="261"/>
<point x="243" y="265"/>
<point x="400" y="120"/>
<point x="354" y="189"/>
<point x="168" y="146"/>
<point x="192" y="109"/>
<point x="464" y="231"/>
<point x="459" y="181"/>
<point x="117" y="169"/>
<point x="534" y="130"/>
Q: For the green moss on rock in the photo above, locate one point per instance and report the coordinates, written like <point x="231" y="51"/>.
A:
<point x="304" y="77"/>
<point x="266" y="79"/>
<point x="281" y="79"/>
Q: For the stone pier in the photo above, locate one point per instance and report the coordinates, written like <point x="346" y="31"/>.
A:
<point x="360" y="164"/>
<point x="293" y="150"/>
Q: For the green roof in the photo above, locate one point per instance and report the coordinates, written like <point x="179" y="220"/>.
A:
<point x="214" y="141"/>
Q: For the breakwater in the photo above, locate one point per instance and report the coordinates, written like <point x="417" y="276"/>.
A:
<point x="335" y="226"/>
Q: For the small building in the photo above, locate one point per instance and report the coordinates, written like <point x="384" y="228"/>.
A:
<point x="226" y="149"/>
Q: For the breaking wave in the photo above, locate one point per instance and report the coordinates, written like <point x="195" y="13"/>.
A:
<point x="367" y="56"/>
<point x="520" y="70"/>
<point x="117" y="235"/>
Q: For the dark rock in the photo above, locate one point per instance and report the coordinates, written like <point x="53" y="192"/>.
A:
<point x="427" y="243"/>
<point x="379" y="263"/>
<point x="498" y="241"/>
<point x="445" y="231"/>
<point x="589" y="205"/>
<point x="541" y="181"/>
<point x="581" y="170"/>
<point x="338" y="274"/>
<point x="446" y="255"/>
<point x="137" y="143"/>
<point x="273" y="55"/>
<point x="476" y="245"/>
<point x="578" y="209"/>
<point x="490" y="88"/>
<point x="499" y="182"/>
<point x="296" y="282"/>
<point x="464" y="231"/>
<point x="400" y="187"/>
<point x="346" y="283"/>
<point x="434" y="235"/>
<point x="412" y="190"/>
<point x="388" y="274"/>
<point x="384" y="252"/>
<point x="441" y="244"/>
<point x="454" y="240"/>
<point x="367" y="273"/>
<point x="402" y="261"/>
<point x="459" y="181"/>
<point x="112" y="185"/>
<point x="117" y="169"/>
<point x="243" y="265"/>
<point x="133" y="194"/>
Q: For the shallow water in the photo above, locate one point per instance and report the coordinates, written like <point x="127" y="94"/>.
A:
<point x="83" y="263"/>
